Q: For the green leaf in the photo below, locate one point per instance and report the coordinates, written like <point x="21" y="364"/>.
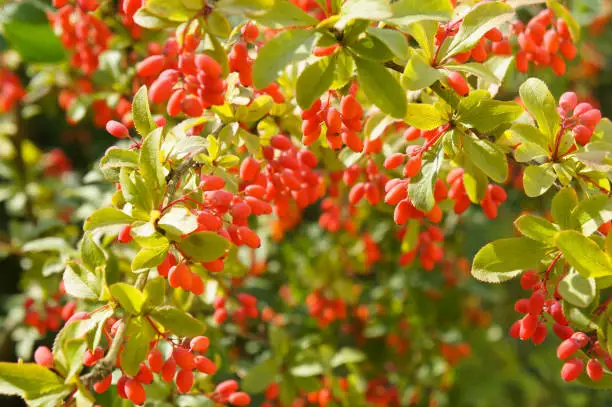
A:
<point x="381" y="88"/>
<point x="178" y="220"/>
<point x="277" y="53"/>
<point x="418" y="74"/>
<point x="106" y="217"/>
<point x="590" y="214"/>
<point x="260" y="107"/>
<point x="489" y="114"/>
<point x="374" y="10"/>
<point x="91" y="254"/>
<point x="146" y="19"/>
<point x="475" y="68"/>
<point x="421" y="188"/>
<point x="482" y="18"/>
<point x="243" y="6"/>
<point x="30" y="381"/>
<point x="136" y="348"/>
<point x="504" y="259"/>
<point x="475" y="181"/>
<point x="486" y="156"/>
<point x="406" y="12"/>
<point x="28" y="31"/>
<point x="542" y="105"/>
<point x="203" y="246"/>
<point x="129" y="297"/>
<point x="393" y="39"/>
<point x="147" y="236"/>
<point x="563" y="203"/>
<point x="148" y="257"/>
<point x="424" y="116"/>
<point x="347" y="355"/>
<point x="141" y="113"/>
<point x="54" y="244"/>
<point x="173" y="10"/>
<point x="537" y="228"/>
<point x="424" y="34"/>
<point x="538" y="179"/>
<point x="81" y="283"/>
<point x="577" y="290"/>
<point x="116" y="157"/>
<point x="315" y="80"/>
<point x="285" y="14"/>
<point x="563" y="13"/>
<point x="307" y="369"/>
<point x="280" y="342"/>
<point x="151" y="167"/>
<point x="260" y="376"/>
<point x="370" y="47"/>
<point x="154" y="293"/>
<point x="584" y="254"/>
<point x="178" y="322"/>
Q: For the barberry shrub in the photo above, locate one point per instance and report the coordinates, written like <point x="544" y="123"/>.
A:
<point x="283" y="177"/>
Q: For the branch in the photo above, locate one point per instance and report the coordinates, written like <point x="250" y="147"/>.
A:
<point x="174" y="176"/>
<point x="105" y="367"/>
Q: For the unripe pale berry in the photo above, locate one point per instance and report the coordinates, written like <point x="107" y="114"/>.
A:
<point x="44" y="357"/>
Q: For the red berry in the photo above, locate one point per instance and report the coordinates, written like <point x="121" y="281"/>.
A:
<point x="529" y="323"/>
<point x="103" y="385"/>
<point x="227" y="387"/>
<point x="135" y="392"/>
<point x="567" y="348"/>
<point x="151" y="66"/>
<point x="183" y="358"/>
<point x="199" y="344"/>
<point x="156" y="360"/>
<point x="351" y="108"/>
<point x="184" y="380"/>
<point x="205" y="365"/>
<point x="168" y="370"/>
<point x="250" y="32"/>
<point x="458" y="83"/>
<point x="572" y="369"/>
<point x="594" y="369"/>
<point x="240" y="399"/>
<point x="124" y="234"/>
<point x="117" y="129"/>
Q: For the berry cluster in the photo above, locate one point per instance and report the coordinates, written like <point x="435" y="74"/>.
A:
<point x="427" y="248"/>
<point x="50" y="315"/>
<point x="82" y="32"/>
<point x="373" y="186"/>
<point x="341" y="125"/>
<point x="288" y="176"/>
<point x="580" y="118"/>
<point x="494" y="196"/>
<point x="325" y="310"/>
<point x="545" y="41"/>
<point x="187" y="82"/>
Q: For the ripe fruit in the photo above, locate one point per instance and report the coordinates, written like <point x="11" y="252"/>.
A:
<point x="458" y="83"/>
<point x="240" y="399"/>
<point x="135" y="392"/>
<point x="199" y="344"/>
<point x="594" y="369"/>
<point x="572" y="369"/>
<point x="117" y="129"/>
